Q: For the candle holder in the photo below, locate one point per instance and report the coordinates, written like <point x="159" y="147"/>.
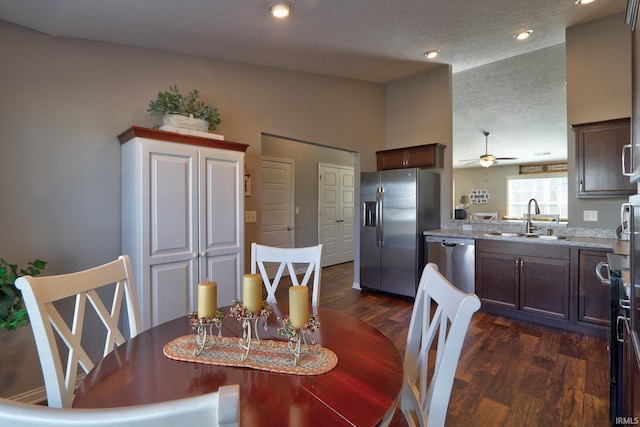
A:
<point x="246" y="317"/>
<point x="297" y="336"/>
<point x="202" y="324"/>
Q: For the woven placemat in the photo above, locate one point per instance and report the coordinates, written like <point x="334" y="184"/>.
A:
<point x="272" y="356"/>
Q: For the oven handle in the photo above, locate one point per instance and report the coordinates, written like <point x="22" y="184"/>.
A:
<point x="619" y="330"/>
<point x="607" y="280"/>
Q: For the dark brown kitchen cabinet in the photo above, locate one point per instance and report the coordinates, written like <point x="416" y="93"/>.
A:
<point x="420" y="156"/>
<point x="593" y="296"/>
<point x="599" y="148"/>
<point x="526" y="278"/>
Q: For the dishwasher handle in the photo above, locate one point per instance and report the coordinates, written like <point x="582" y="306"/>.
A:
<point x="448" y="244"/>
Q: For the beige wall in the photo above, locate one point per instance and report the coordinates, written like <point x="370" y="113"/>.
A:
<point x="598" y="88"/>
<point x="65" y="101"/>
<point x="419" y="111"/>
<point x="306" y="158"/>
<point x="493" y="179"/>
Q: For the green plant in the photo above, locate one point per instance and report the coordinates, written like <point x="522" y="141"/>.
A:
<point x="12" y="311"/>
<point x="173" y="102"/>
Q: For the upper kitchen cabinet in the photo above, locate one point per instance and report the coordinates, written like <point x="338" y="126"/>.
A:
<point x="599" y="148"/>
<point x="182" y="210"/>
<point x="420" y="156"/>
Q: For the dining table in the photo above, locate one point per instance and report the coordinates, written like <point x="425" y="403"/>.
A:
<point x="360" y="390"/>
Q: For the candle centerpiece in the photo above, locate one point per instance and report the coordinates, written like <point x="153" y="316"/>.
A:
<point x="252" y="307"/>
<point x="207" y="316"/>
<point x="299" y="323"/>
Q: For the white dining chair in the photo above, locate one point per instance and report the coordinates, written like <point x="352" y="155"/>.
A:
<point x="309" y="259"/>
<point x="113" y="280"/>
<point x="424" y="398"/>
<point x="220" y="408"/>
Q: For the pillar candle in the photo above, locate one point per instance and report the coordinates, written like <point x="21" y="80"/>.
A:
<point x="298" y="305"/>
<point x="252" y="292"/>
<point x="207" y="299"/>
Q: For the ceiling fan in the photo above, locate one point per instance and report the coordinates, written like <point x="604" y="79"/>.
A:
<point x="487" y="159"/>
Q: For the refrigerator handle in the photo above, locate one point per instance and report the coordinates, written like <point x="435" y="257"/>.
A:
<point x="379" y="227"/>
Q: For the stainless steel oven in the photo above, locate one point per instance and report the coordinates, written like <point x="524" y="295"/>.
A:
<point x="610" y="274"/>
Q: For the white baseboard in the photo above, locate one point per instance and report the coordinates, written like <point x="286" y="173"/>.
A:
<point x="35" y="397"/>
<point x="38" y="396"/>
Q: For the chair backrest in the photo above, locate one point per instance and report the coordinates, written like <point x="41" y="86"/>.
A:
<point x="309" y="258"/>
<point x="208" y="410"/>
<point x="40" y="294"/>
<point x="425" y="395"/>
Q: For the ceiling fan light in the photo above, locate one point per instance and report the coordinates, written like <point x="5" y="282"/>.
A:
<point x="487" y="160"/>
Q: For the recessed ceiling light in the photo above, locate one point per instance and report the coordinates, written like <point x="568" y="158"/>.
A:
<point x="584" y="1"/>
<point x="280" y="10"/>
<point x="523" y="35"/>
<point x="431" y="54"/>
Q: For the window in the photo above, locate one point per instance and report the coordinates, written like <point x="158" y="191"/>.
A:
<point x="550" y="192"/>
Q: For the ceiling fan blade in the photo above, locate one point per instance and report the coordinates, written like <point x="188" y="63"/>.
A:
<point x="506" y="158"/>
<point x="470" y="162"/>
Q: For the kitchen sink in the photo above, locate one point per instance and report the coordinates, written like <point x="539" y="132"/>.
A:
<point x="546" y="237"/>
<point x="504" y="233"/>
<point x="528" y="235"/>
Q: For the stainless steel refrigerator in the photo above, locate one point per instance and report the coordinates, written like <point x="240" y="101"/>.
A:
<point x="396" y="207"/>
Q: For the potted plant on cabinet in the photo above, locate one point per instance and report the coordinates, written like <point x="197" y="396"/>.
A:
<point x="12" y="310"/>
<point x="188" y="111"/>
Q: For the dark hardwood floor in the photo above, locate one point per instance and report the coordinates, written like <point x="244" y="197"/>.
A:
<point x="511" y="372"/>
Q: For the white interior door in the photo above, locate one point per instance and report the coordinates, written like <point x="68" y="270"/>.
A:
<point x="336" y="191"/>
<point x="276" y="202"/>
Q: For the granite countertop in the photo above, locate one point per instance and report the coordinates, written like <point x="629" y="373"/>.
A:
<point x="565" y="237"/>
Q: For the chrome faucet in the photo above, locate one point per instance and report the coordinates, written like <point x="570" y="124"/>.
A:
<point x="530" y="226"/>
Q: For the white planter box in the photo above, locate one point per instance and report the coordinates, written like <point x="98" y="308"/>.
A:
<point x="185" y="122"/>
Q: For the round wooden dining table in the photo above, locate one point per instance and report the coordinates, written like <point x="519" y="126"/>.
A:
<point x="359" y="391"/>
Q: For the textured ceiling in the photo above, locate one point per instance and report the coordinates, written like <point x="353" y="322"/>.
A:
<point x="371" y="40"/>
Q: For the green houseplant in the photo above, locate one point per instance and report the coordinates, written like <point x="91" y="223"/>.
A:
<point x="173" y="102"/>
<point x="12" y="311"/>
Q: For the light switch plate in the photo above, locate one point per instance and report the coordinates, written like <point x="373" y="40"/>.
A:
<point x="590" y="215"/>
<point x="250" y="216"/>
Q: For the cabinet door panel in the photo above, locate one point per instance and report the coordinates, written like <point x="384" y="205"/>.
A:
<point x="172" y="204"/>
<point x="225" y="270"/>
<point x="221" y="207"/>
<point x="598" y="158"/>
<point x="497" y="278"/>
<point x="392" y="159"/>
<point x="545" y="287"/>
<point x="172" y="289"/>
<point x="593" y="296"/>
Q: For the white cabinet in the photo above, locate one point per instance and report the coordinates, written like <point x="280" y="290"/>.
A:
<point x="182" y="210"/>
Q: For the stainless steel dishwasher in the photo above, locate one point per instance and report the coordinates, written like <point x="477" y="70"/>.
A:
<point x="455" y="258"/>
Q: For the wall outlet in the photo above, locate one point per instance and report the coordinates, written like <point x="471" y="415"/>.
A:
<point x="250" y="216"/>
<point x="590" y="215"/>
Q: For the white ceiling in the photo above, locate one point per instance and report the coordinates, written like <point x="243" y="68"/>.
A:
<point x="372" y="40"/>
